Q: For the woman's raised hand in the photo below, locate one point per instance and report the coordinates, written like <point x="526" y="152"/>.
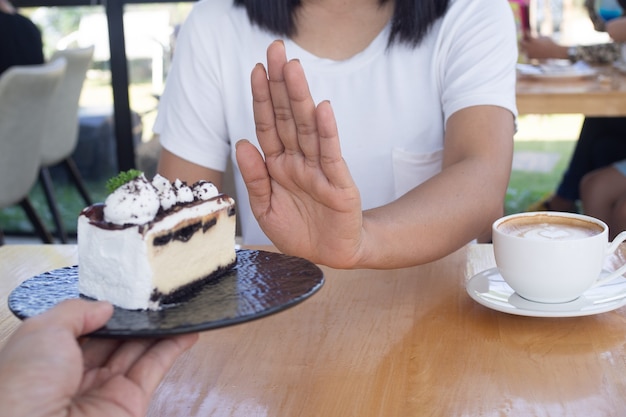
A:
<point x="301" y="191"/>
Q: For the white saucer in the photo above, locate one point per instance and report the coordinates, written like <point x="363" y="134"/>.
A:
<point x="489" y="289"/>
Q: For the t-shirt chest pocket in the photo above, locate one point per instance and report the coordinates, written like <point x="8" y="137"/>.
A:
<point x="411" y="169"/>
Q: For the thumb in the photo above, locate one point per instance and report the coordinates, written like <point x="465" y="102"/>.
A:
<point x="255" y="176"/>
<point x="77" y="315"/>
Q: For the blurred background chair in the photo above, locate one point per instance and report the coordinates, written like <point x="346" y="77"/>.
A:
<point x="61" y="135"/>
<point x="26" y="94"/>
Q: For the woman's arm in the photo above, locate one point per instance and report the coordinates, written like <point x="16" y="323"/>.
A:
<point x="616" y="29"/>
<point x="543" y="48"/>
<point x="174" y="167"/>
<point x="457" y="205"/>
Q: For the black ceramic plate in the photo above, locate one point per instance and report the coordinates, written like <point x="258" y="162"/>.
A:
<point x="262" y="283"/>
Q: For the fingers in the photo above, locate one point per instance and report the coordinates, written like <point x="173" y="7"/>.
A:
<point x="284" y="110"/>
<point x="283" y="114"/>
<point x="330" y="152"/>
<point x="303" y="109"/>
<point x="289" y="124"/>
<point x="143" y="361"/>
<point x="118" y="356"/>
<point x="263" y="109"/>
<point x="331" y="161"/>
<point x="152" y="366"/>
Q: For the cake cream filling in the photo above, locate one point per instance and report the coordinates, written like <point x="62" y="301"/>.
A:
<point x="195" y="256"/>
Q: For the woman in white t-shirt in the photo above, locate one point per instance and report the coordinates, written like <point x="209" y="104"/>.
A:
<point x="406" y="157"/>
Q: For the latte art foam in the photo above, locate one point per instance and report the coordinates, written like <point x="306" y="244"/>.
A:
<point x="550" y="228"/>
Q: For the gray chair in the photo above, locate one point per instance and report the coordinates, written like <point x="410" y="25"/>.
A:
<point x="61" y="135"/>
<point x="26" y="94"/>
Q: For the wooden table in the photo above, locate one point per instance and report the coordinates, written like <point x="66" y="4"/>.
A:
<point x="604" y="95"/>
<point x="406" y="342"/>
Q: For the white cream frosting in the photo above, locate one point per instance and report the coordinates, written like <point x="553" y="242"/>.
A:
<point x="204" y="190"/>
<point x="166" y="192"/>
<point x="138" y="201"/>
<point x="183" y="192"/>
<point x="135" y="202"/>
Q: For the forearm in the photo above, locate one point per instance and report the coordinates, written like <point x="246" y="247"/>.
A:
<point x="174" y="167"/>
<point x="452" y="208"/>
<point x="425" y="225"/>
<point x="543" y="48"/>
<point x="617" y="29"/>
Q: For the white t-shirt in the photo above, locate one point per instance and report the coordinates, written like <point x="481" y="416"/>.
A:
<point x="391" y="104"/>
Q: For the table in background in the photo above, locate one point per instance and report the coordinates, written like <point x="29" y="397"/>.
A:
<point x="604" y="95"/>
<point x="405" y="342"/>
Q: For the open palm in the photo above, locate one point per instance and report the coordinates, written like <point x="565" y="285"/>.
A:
<point x="301" y="193"/>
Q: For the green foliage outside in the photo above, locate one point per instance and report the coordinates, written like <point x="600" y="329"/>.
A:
<point x="13" y="220"/>
<point x="524" y="189"/>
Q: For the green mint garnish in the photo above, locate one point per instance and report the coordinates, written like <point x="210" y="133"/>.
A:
<point x="122" y="178"/>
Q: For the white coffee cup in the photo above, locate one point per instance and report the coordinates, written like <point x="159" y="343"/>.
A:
<point x="553" y="257"/>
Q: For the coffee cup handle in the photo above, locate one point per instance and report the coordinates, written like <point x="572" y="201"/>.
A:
<point x="619" y="239"/>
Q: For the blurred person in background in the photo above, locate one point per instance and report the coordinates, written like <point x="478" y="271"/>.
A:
<point x="554" y="15"/>
<point x="601" y="140"/>
<point x="545" y="47"/>
<point x="20" y="39"/>
<point x="603" y="195"/>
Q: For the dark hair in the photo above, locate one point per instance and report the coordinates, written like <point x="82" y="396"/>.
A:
<point x="411" y="20"/>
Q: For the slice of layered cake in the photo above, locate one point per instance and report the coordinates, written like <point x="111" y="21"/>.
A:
<point x="154" y="243"/>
